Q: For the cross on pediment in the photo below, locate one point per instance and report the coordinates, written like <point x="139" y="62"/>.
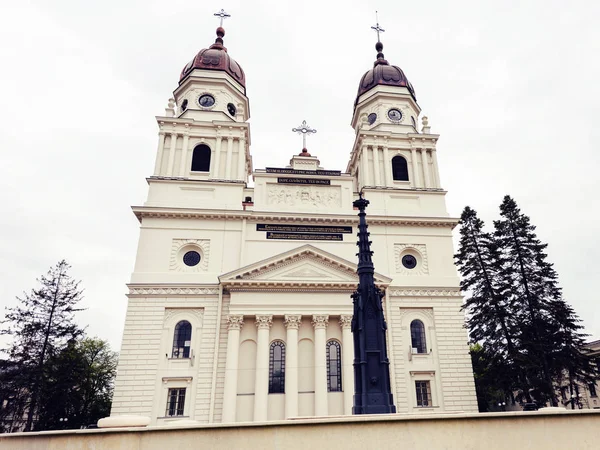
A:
<point x="304" y="129"/>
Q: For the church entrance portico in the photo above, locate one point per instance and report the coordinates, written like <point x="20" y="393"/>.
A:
<point x="289" y="344"/>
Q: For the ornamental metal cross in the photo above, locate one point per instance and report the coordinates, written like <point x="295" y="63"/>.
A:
<point x="222" y="15"/>
<point x="377" y="27"/>
<point x="304" y="129"/>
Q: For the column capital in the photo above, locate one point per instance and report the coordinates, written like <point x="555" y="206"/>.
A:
<point x="264" y="322"/>
<point x="292" y="321"/>
<point x="235" y="322"/>
<point x="345" y="321"/>
<point x="320" y="321"/>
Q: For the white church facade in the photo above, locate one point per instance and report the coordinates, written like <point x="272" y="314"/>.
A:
<point x="239" y="305"/>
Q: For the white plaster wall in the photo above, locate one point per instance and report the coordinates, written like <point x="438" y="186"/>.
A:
<point x="143" y="361"/>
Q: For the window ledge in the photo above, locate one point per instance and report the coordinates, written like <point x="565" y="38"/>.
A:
<point x="173" y="417"/>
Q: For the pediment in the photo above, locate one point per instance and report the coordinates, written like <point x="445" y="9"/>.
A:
<point x="304" y="266"/>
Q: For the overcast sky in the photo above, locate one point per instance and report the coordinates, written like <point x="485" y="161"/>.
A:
<point x="512" y="87"/>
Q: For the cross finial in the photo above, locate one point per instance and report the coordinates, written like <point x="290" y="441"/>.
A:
<point x="304" y="129"/>
<point x="377" y="28"/>
<point x="222" y="15"/>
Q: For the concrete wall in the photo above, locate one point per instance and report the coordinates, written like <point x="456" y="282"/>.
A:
<point x="502" y="431"/>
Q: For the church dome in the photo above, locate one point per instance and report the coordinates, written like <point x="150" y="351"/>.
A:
<point x="216" y="58"/>
<point x="383" y="73"/>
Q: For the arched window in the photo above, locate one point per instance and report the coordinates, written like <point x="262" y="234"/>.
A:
<point x="201" y="158"/>
<point x="182" y="340"/>
<point x="399" y="168"/>
<point x="334" y="366"/>
<point x="417" y="336"/>
<point x="277" y="368"/>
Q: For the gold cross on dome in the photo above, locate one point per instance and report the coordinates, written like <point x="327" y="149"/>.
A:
<point x="304" y="129"/>
<point x="377" y="27"/>
<point x="222" y="15"/>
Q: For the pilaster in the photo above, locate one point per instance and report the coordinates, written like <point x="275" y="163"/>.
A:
<point x="234" y="323"/>
<point x="292" y="324"/>
<point x="320" y="323"/>
<point x="261" y="387"/>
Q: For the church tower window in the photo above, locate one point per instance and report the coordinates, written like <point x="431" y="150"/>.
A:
<point x="277" y="368"/>
<point x="417" y="336"/>
<point x="201" y="158"/>
<point x="182" y="340"/>
<point x="175" y="402"/>
<point x="399" y="168"/>
<point x="334" y="366"/>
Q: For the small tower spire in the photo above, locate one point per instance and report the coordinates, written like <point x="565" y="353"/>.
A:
<point x="220" y="31"/>
<point x="379" y="45"/>
<point x="372" y="390"/>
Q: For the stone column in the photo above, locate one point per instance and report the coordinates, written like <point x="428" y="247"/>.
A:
<point x="159" y="152"/>
<point x="231" y="368"/>
<point x="387" y="166"/>
<point x="261" y="386"/>
<point x="376" y="171"/>
<point x="217" y="164"/>
<point x="183" y="166"/>
<point x="415" y="168"/>
<point x="320" y="323"/>
<point x="425" y="167"/>
<point x="292" y="323"/>
<point x="229" y="157"/>
<point x="241" y="159"/>
<point x="347" y="363"/>
<point x="172" y="152"/>
<point x="436" y="171"/>
<point x="365" y="165"/>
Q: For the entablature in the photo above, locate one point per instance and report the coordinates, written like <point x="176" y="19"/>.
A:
<point x="258" y="216"/>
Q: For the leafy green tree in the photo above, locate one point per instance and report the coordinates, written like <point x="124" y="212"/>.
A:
<point x="79" y="385"/>
<point x="40" y="326"/>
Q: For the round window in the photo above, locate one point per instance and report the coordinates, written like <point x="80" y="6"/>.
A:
<point x="409" y="261"/>
<point x="372" y="118"/>
<point x="184" y="105"/>
<point x="191" y="258"/>
<point x="231" y="109"/>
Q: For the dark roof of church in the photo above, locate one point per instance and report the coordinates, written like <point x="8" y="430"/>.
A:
<point x="216" y="58"/>
<point x="383" y="73"/>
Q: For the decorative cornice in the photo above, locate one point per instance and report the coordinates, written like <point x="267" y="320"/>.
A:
<point x="252" y="216"/>
<point x="235" y="322"/>
<point x="345" y="321"/>
<point x="146" y="290"/>
<point x="320" y="321"/>
<point x="431" y="292"/>
<point x="264" y="322"/>
<point x="173" y="312"/>
<point x="292" y="322"/>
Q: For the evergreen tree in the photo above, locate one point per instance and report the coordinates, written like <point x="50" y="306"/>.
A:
<point x="488" y="309"/>
<point x="40" y="326"/>
<point x="551" y="339"/>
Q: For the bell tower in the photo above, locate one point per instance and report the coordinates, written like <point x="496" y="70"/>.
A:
<point x="204" y="134"/>
<point x="389" y="152"/>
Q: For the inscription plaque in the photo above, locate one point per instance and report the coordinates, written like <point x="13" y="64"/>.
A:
<point x="302" y="228"/>
<point x="302" y="181"/>
<point x="304" y="236"/>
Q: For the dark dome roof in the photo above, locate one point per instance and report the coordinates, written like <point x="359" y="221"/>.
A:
<point x="383" y="73"/>
<point x="216" y="58"/>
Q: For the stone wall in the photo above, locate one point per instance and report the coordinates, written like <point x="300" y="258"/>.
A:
<point x="501" y="431"/>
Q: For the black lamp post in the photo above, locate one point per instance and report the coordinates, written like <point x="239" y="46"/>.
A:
<point x="372" y="394"/>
